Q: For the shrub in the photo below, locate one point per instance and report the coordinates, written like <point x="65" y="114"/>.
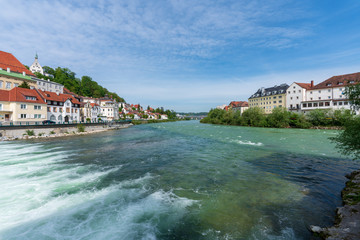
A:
<point x="298" y="121"/>
<point x="88" y="120"/>
<point x="52" y="132"/>
<point x="254" y="117"/>
<point x="80" y="128"/>
<point x="319" y="117"/>
<point x="30" y="132"/>
<point x="279" y="118"/>
<point x="40" y="134"/>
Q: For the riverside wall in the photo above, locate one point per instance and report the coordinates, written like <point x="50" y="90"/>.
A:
<point x="43" y="131"/>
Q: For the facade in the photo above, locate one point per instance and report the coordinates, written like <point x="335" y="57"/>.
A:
<point x="36" y="67"/>
<point x="90" y="111"/>
<point x="269" y="98"/>
<point x="47" y="85"/>
<point x="109" y="109"/>
<point x="61" y="107"/>
<point x="21" y="105"/>
<point x="13" y="73"/>
<point x="296" y="94"/>
<point x="329" y="94"/>
<point x="238" y="106"/>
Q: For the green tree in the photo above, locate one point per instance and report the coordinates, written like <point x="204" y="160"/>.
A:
<point x="348" y="141"/>
<point x="254" y="117"/>
<point x="279" y="118"/>
<point x="24" y="85"/>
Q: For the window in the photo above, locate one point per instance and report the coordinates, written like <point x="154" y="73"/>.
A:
<point x="16" y="84"/>
<point x="0" y="107"/>
<point x="304" y="105"/>
<point x="60" y="110"/>
<point x="329" y="84"/>
<point x="345" y="103"/>
<point x="329" y="90"/>
<point x="289" y="92"/>
<point x="30" y="98"/>
<point x="309" y="104"/>
<point x="55" y="109"/>
<point x="37" y="107"/>
<point x="1" y="84"/>
<point x="22" y="115"/>
<point x="297" y="97"/>
<point x="351" y="81"/>
<point x="319" y="91"/>
<point x="340" y="83"/>
<point x="37" y="115"/>
<point x="49" y="109"/>
<point x="340" y="96"/>
<point x="321" y="104"/>
<point x="274" y="101"/>
<point x="319" y="98"/>
<point x="340" y="103"/>
<point x="294" y="87"/>
<point x="327" y="104"/>
<point x="23" y="106"/>
<point x="310" y="92"/>
<point x="299" y="91"/>
<point x="290" y="98"/>
<point x="311" y="98"/>
<point x="280" y="101"/>
<point x="294" y="91"/>
<point x="335" y="103"/>
<point x="315" y="104"/>
<point x="329" y="97"/>
<point x="274" y="97"/>
<point x="280" y="96"/>
<point x="8" y="85"/>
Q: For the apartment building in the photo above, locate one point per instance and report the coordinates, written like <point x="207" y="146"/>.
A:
<point x="269" y="98"/>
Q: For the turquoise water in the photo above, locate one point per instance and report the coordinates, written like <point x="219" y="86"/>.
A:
<point x="181" y="180"/>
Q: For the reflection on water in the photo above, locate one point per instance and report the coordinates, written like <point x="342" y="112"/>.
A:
<point x="181" y="180"/>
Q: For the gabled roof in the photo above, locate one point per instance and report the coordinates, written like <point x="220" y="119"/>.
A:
<point x="338" y="81"/>
<point x="19" y="95"/>
<point x="263" y="92"/>
<point x="51" y="96"/>
<point x="235" y="104"/>
<point x="307" y="86"/>
<point x="7" y="60"/>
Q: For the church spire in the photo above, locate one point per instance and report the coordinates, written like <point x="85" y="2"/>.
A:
<point x="36" y="56"/>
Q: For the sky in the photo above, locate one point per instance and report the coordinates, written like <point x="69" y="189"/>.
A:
<point x="186" y="55"/>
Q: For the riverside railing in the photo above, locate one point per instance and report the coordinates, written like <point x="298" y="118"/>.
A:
<point x="35" y="123"/>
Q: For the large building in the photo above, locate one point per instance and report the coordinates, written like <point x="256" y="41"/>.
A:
<point x="269" y="98"/>
<point x="36" y="67"/>
<point x="61" y="107"/>
<point x="328" y="94"/>
<point x="13" y="73"/>
<point x="21" y="105"/>
<point x="240" y="106"/>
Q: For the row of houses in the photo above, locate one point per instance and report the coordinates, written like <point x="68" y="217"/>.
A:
<point x="301" y="97"/>
<point x="45" y="100"/>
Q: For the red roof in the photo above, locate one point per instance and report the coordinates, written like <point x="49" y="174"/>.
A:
<point x="7" y="60"/>
<point x="307" y="86"/>
<point x="94" y="104"/>
<point x="19" y="95"/>
<point x="51" y="96"/>
<point x="339" y="81"/>
<point x="238" y="104"/>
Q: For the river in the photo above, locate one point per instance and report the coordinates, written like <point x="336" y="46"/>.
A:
<point x="179" y="180"/>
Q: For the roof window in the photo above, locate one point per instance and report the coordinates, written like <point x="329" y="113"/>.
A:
<point x="329" y="84"/>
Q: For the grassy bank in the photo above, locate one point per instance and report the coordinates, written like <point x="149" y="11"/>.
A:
<point x="279" y="118"/>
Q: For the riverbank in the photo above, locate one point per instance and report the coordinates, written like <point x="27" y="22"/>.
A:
<point x="34" y="133"/>
<point x="347" y="221"/>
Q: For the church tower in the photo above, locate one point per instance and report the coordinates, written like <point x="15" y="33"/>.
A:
<point x="36" y="67"/>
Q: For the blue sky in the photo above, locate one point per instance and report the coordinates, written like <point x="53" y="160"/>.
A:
<point x="186" y="55"/>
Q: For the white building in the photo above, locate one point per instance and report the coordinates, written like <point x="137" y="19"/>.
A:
<point x="296" y="94"/>
<point x="90" y="111"/>
<point x="328" y="94"/>
<point x="36" y="67"/>
<point x="47" y="85"/>
<point x="61" y="107"/>
<point x="109" y="108"/>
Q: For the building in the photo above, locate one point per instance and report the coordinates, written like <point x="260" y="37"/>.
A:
<point x="47" y="85"/>
<point x="13" y="73"/>
<point x="36" y="67"/>
<point x="269" y="98"/>
<point x="238" y="106"/>
<point x="90" y="111"/>
<point x="329" y="94"/>
<point x="109" y="108"/>
<point x="61" y="107"/>
<point x="296" y="94"/>
<point x="21" y="105"/>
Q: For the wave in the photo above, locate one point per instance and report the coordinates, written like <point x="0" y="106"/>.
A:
<point x="248" y="143"/>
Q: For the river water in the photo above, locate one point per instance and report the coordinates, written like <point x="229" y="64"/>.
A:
<point x="181" y="180"/>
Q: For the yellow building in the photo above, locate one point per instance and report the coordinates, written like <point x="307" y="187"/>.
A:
<point x="13" y="73"/>
<point x="269" y="98"/>
<point x="21" y="105"/>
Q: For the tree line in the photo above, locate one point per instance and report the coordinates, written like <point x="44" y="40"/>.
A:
<point x="279" y="118"/>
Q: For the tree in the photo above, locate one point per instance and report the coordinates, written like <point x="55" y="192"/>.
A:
<point x="24" y="85"/>
<point x="348" y="141"/>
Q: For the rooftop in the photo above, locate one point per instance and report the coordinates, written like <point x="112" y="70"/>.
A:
<point x="7" y="60"/>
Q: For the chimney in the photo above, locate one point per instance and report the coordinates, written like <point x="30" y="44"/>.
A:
<point x="24" y="74"/>
<point x="8" y="70"/>
<point x="312" y="83"/>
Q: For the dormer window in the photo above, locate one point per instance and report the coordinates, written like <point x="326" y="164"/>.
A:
<point x="351" y="81"/>
<point x="329" y="84"/>
<point x="340" y="83"/>
<point x="30" y="98"/>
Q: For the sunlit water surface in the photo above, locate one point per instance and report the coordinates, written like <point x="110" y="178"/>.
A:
<point x="182" y="180"/>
